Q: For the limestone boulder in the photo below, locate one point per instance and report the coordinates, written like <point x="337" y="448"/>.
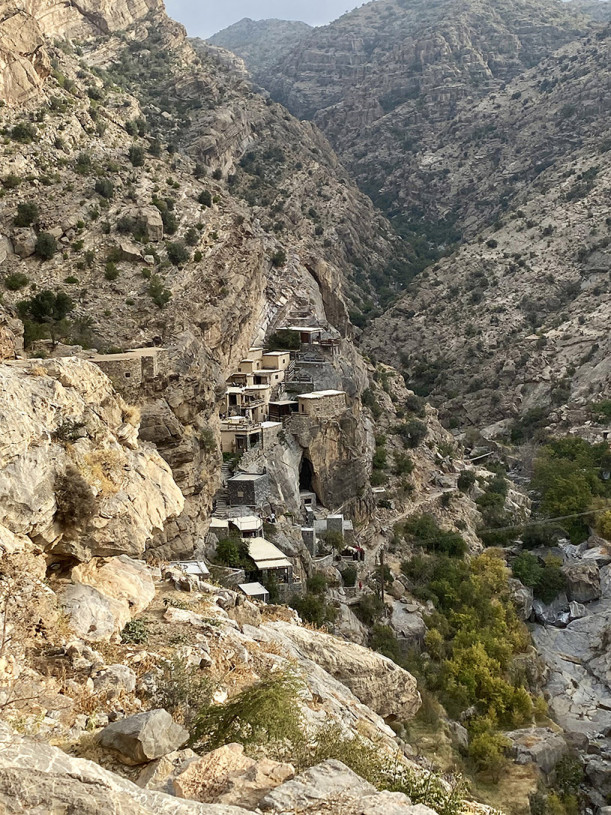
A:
<point x="407" y="622"/>
<point x="154" y="223"/>
<point x="105" y="595"/>
<point x="333" y="787"/>
<point x="228" y="776"/>
<point x="375" y="680"/>
<point x="93" y="616"/>
<point x="24" y="242"/>
<point x="114" y="680"/>
<point x="539" y="745"/>
<point x="37" y="778"/>
<point x="143" y="737"/>
<point x="583" y="581"/>
<point x="522" y="597"/>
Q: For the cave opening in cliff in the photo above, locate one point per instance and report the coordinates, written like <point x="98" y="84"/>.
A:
<point x="306" y="475"/>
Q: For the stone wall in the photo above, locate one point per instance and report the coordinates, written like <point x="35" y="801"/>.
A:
<point x="324" y="407"/>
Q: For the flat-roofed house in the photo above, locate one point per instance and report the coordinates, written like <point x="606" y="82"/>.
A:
<point x="322" y="404"/>
<point x="249" y="526"/>
<point x="269" y="561"/>
<point x="276" y="360"/>
<point x="279" y="410"/>
<point x="239" y="435"/>
<point x="308" y="334"/>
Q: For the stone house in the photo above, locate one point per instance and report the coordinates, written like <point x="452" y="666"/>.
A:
<point x="248" y="489"/>
<point x="322" y="404"/>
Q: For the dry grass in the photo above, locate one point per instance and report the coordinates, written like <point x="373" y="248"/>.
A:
<point x="105" y="470"/>
<point x="131" y="415"/>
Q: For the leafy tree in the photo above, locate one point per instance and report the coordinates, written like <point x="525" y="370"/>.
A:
<point x="527" y="569"/>
<point x="412" y="432"/>
<point x="158" y="292"/>
<point x="46" y="246"/>
<point x="177" y="253"/>
<point x="48" y="309"/>
<point x="317" y="584"/>
<point x="27" y="214"/>
<point x="136" y="155"/>
<point x="313" y="609"/>
<point x="233" y="553"/>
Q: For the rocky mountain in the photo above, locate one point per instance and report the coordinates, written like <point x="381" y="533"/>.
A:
<point x="382" y="80"/>
<point x="261" y="43"/>
<point x="166" y="229"/>
<point x="597" y="10"/>
<point x="521" y="322"/>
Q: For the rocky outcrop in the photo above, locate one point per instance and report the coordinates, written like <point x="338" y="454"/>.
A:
<point x="583" y="581"/>
<point x="73" y="475"/>
<point x="376" y="680"/>
<point x="540" y="745"/>
<point x="11" y="335"/>
<point x="35" y="777"/>
<point x="227" y="776"/>
<point x="143" y="737"/>
<point x="332" y="784"/>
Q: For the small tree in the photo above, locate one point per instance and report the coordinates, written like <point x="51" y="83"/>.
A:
<point x="177" y="253"/>
<point x="205" y="198"/>
<point x="27" y="214"/>
<point x="136" y="155"/>
<point x="158" y="292"/>
<point x="46" y="246"/>
<point x="48" y="309"/>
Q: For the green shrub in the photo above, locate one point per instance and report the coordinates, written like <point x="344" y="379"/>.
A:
<point x="111" y="271"/>
<point x="233" y="552"/>
<point x="424" y="531"/>
<point x="567" y="474"/>
<point x="24" y="133"/>
<point x="283" y="340"/>
<point x="205" y="198"/>
<point x="46" y="246"/>
<point x="136" y="155"/>
<point x="11" y="181"/>
<point x="412" y="433"/>
<point x="317" y="584"/>
<point x="83" y="164"/>
<point x="105" y="188"/>
<point x="135" y="632"/>
<point x="191" y="237"/>
<point x="177" y="253"/>
<point x="313" y="609"/>
<point x="158" y="292"/>
<point x="278" y="259"/>
<point x="266" y="712"/>
<point x="16" y="281"/>
<point x="466" y="480"/>
<point x="349" y="575"/>
<point x="27" y="214"/>
<point x="183" y="690"/>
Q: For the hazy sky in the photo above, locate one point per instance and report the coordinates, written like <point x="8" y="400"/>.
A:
<point x="203" y="18"/>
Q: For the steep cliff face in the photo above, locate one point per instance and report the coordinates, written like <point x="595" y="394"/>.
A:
<point x="384" y="79"/>
<point x="516" y="320"/>
<point x="187" y="212"/>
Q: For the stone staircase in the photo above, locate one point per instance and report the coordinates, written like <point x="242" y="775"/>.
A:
<point x="221" y="498"/>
